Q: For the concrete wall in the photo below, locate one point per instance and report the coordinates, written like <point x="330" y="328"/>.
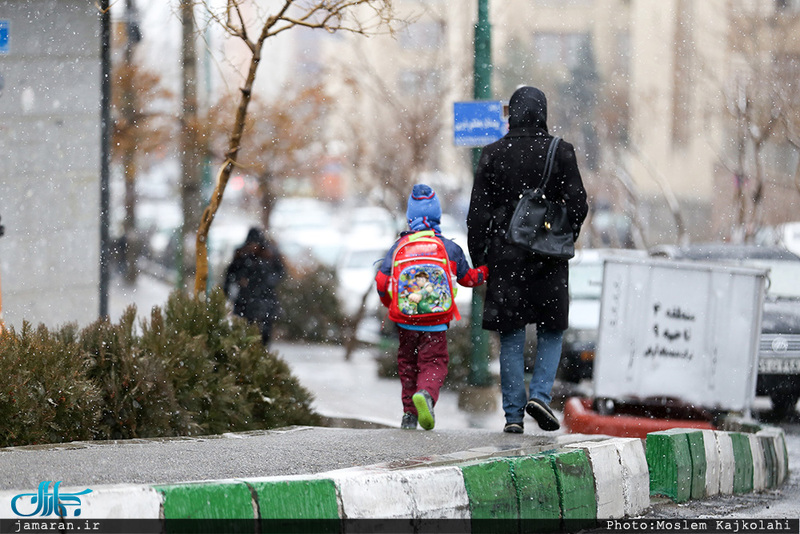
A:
<point x="50" y="168"/>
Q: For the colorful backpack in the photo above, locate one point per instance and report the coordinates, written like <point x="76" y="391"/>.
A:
<point x="422" y="287"/>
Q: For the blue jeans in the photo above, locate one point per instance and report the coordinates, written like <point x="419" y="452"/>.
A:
<point x="512" y="369"/>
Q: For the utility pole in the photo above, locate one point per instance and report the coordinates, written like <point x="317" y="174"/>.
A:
<point x="105" y="150"/>
<point x="482" y="90"/>
<point x="128" y="111"/>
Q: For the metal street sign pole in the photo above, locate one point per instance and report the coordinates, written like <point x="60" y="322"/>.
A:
<point x="482" y="90"/>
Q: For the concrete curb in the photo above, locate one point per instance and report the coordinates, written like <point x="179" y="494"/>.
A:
<point x="693" y="464"/>
<point x="582" y="479"/>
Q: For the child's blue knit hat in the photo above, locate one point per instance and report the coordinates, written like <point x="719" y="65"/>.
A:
<point x="424" y="210"/>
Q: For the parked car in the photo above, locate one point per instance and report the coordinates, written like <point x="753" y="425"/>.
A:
<point x="355" y="275"/>
<point x="585" y="289"/>
<point x="779" y="346"/>
<point x="307" y="231"/>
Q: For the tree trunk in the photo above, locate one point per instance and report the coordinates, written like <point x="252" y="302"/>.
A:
<point x="190" y="152"/>
<point x="201" y="249"/>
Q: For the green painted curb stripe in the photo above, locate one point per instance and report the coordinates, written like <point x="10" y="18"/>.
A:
<point x="491" y="491"/>
<point x="699" y="463"/>
<point x="697" y="452"/>
<point x="297" y="499"/>
<point x="770" y="460"/>
<point x="575" y="485"/>
<point x="743" y="458"/>
<point x="670" y="465"/>
<point x="537" y="488"/>
<point x="213" y="500"/>
<point x="785" y="457"/>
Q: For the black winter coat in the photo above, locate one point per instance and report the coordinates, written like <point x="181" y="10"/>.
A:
<point x="523" y="288"/>
<point x="252" y="279"/>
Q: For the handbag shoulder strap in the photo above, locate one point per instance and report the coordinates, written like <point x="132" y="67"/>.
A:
<point x="548" y="164"/>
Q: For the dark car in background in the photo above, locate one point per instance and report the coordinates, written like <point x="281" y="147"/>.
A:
<point x="779" y="346"/>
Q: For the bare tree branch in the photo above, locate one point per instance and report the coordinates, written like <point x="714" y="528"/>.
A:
<point x="334" y="15"/>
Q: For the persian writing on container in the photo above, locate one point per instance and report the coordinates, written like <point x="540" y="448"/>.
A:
<point x="659" y="351"/>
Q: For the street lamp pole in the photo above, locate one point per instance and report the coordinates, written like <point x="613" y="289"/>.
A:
<point x="482" y="90"/>
<point x="105" y="151"/>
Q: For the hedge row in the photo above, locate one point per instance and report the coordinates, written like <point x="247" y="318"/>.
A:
<point x="188" y="370"/>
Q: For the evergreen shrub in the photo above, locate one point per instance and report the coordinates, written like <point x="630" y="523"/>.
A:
<point x="45" y="394"/>
<point x="310" y="310"/>
<point x="192" y="369"/>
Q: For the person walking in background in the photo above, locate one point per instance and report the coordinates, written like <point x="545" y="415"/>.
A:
<point x="251" y="282"/>
<point x="524" y="288"/>
<point x="415" y="281"/>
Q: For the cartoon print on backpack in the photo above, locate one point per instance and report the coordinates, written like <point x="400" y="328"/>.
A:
<point x="423" y="289"/>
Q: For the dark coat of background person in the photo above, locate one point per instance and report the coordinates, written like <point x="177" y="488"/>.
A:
<point x="525" y="288"/>
<point x="251" y="281"/>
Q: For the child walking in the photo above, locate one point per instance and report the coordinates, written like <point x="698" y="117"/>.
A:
<point x="415" y="281"/>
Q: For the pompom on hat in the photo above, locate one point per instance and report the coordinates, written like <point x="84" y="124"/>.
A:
<point x="424" y="211"/>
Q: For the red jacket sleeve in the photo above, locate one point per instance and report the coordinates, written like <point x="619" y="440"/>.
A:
<point x="475" y="277"/>
<point x="382" y="284"/>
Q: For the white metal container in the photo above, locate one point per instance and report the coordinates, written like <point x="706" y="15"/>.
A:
<point x="682" y="330"/>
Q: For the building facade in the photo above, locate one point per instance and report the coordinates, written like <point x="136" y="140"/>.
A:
<point x="50" y="169"/>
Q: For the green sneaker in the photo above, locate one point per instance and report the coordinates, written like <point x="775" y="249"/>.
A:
<point x="424" y="404"/>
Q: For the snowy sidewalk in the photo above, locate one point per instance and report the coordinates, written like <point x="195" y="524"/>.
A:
<point x="353" y="389"/>
<point x="342" y="389"/>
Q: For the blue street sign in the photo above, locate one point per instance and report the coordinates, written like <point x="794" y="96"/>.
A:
<point x="4" y="36"/>
<point x="478" y="123"/>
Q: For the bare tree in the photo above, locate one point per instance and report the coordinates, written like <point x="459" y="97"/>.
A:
<point x="280" y="140"/>
<point x="356" y="16"/>
<point x="762" y="101"/>
<point x="140" y="126"/>
<point x="393" y="143"/>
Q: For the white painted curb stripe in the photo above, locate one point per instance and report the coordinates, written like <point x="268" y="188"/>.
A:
<point x="778" y="441"/>
<point x="622" y="478"/>
<point x="727" y="463"/>
<point x="607" y="471"/>
<point x="437" y="492"/>
<point x="635" y="475"/>
<point x="370" y="495"/>
<point x="122" y="502"/>
<point x="759" y="466"/>
<point x="713" y="463"/>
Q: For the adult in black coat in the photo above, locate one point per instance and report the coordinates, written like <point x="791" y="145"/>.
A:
<point x="524" y="288"/>
<point x="251" y="281"/>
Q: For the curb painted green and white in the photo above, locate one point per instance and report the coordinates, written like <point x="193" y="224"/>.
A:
<point x="693" y="464"/>
<point x="582" y="478"/>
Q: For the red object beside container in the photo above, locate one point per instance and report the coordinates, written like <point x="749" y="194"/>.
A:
<point x="581" y="418"/>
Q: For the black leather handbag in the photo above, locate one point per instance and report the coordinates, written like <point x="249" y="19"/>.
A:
<point x="539" y="224"/>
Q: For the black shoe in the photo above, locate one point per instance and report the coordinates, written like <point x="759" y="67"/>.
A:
<point x="514" y="428"/>
<point x="409" y="421"/>
<point x="424" y="404"/>
<point x="543" y="415"/>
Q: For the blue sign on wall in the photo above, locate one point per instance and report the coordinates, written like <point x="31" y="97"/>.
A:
<point x="478" y="123"/>
<point x="4" y="36"/>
